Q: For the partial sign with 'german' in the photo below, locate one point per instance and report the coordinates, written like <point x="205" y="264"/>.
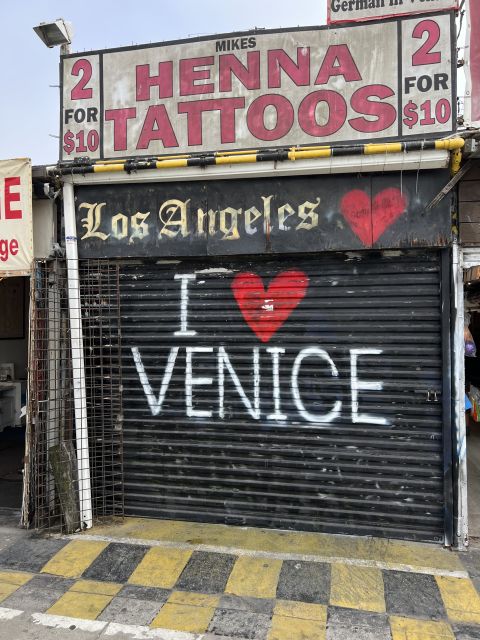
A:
<point x="359" y="10"/>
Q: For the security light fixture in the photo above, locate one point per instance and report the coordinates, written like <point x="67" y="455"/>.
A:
<point x="55" y="33"/>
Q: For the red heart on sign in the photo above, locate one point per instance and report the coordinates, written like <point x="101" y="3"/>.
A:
<point x="369" y="220"/>
<point x="265" y="311"/>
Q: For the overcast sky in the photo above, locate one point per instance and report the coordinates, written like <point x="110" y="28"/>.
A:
<point x="29" y="106"/>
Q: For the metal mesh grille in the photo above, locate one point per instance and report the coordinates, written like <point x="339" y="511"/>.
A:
<point x="55" y="456"/>
<point x="101" y="343"/>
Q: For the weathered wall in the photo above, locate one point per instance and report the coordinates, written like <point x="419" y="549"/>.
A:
<point x="469" y="208"/>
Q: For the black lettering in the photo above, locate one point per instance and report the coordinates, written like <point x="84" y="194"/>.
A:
<point x="424" y="83"/>
<point x="92" y="113"/>
<point x="410" y="82"/>
<point x="441" y="81"/>
<point x="79" y="115"/>
<point x="237" y="43"/>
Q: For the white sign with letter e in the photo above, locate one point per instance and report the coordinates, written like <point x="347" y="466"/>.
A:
<point x="16" y="233"/>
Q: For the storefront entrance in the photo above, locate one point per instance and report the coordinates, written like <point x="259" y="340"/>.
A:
<point x="329" y="417"/>
<point x="472" y="397"/>
<point x="14" y="305"/>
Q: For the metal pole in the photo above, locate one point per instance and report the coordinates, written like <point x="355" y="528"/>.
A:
<point x="53" y="343"/>
<point x="460" y="448"/>
<point x="78" y="363"/>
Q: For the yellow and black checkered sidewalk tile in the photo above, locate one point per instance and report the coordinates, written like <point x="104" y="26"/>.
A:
<point x="237" y="595"/>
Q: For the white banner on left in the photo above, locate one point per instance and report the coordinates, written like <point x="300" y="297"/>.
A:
<point x="16" y="233"/>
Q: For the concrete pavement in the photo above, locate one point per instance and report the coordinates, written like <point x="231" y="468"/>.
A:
<point x="184" y="581"/>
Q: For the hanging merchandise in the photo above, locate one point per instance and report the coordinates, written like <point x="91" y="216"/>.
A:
<point x="474" y="397"/>
<point x="470" y="347"/>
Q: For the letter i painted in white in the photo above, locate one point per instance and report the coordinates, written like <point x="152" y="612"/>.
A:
<point x="184" y="331"/>
<point x="276" y="415"/>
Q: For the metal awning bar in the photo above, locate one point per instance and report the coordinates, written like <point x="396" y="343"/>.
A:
<point x="412" y="161"/>
<point x="86" y="166"/>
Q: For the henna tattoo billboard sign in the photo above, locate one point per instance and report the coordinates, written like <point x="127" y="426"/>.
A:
<point x="263" y="216"/>
<point x="263" y="89"/>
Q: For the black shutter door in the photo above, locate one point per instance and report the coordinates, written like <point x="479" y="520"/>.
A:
<point x="298" y="393"/>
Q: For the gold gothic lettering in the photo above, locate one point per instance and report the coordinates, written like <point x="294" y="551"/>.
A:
<point x="175" y="216"/>
<point x="93" y="220"/>
<point x="175" y="219"/>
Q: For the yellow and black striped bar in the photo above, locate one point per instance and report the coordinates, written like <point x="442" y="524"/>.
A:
<point x="85" y="165"/>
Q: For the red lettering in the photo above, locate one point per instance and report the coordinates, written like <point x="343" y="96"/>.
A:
<point x="80" y="90"/>
<point x="248" y="75"/>
<point x="338" y="61"/>
<point x="8" y="248"/>
<point x="189" y="74"/>
<point x="120" y="119"/>
<point x="164" y="81"/>
<point x="256" y="117"/>
<point x="12" y="214"/>
<point x="3" y="250"/>
<point x="337" y="113"/>
<point x="385" y="114"/>
<point x="425" y="55"/>
<point x="299" y="72"/>
<point x="195" y="109"/>
<point x="157" y="126"/>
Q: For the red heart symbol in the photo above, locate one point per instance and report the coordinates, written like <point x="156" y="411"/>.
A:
<point x="370" y="220"/>
<point x="266" y="311"/>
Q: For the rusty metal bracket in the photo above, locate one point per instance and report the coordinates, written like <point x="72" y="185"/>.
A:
<point x="450" y="185"/>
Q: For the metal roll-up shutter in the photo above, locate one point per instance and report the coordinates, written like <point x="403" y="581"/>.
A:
<point x="290" y="392"/>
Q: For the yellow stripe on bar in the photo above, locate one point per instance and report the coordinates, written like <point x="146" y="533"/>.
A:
<point x="449" y="145"/>
<point x="171" y="164"/>
<point x="173" y="157"/>
<point x="322" y="152"/>
<point x="252" y="157"/>
<point x="388" y="147"/>
<point x="220" y="154"/>
<point x="107" y="168"/>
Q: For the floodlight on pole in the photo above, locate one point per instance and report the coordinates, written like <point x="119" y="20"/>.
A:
<point x="55" y="33"/>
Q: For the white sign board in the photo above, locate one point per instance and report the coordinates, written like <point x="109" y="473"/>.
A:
<point x="16" y="235"/>
<point x="359" y="10"/>
<point x="472" y="65"/>
<point x="367" y="82"/>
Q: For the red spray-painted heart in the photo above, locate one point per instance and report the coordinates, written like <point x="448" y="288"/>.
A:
<point x="265" y="311"/>
<point x="369" y="220"/>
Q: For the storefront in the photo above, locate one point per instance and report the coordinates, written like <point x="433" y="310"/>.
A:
<point x="27" y="233"/>
<point x="261" y="319"/>
<point x="470" y="282"/>
<point x="284" y="349"/>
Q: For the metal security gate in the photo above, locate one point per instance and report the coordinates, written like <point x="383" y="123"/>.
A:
<point x="291" y="392"/>
<point x="51" y="486"/>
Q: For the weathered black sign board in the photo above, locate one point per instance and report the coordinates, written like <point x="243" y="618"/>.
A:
<point x="267" y="215"/>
